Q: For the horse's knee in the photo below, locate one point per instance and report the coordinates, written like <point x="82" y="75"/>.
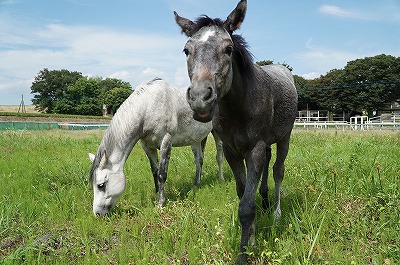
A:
<point x="279" y="171"/>
<point x="264" y="195"/>
<point x="247" y="211"/>
<point x="239" y="191"/>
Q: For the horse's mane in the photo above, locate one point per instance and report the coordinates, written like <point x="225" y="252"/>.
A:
<point x="241" y="55"/>
<point x="100" y="152"/>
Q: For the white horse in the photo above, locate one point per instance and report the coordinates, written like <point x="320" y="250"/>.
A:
<point x="158" y="115"/>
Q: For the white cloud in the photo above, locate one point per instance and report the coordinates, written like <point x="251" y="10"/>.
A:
<point x="131" y="56"/>
<point x="123" y="75"/>
<point x="181" y="76"/>
<point x="311" y="75"/>
<point x="340" y="12"/>
<point x="9" y="2"/>
<point x="152" y="72"/>
<point x="384" y="11"/>
<point x="318" y="60"/>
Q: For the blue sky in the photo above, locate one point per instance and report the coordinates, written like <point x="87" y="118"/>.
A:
<point x="138" y="40"/>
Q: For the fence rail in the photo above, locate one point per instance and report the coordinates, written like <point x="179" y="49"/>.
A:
<point x="349" y="126"/>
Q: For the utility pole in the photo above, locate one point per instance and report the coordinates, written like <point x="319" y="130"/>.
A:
<point x="22" y="106"/>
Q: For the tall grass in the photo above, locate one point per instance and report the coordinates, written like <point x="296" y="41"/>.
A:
<point x="340" y="205"/>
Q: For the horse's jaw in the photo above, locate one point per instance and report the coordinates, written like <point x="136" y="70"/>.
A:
<point x="205" y="115"/>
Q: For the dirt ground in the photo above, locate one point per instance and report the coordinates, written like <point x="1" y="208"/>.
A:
<point x="31" y="109"/>
<point x="15" y="108"/>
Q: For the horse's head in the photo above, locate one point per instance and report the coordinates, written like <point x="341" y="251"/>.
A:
<point x="209" y="51"/>
<point x="108" y="183"/>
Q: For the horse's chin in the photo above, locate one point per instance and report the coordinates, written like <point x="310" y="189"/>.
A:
<point x="202" y="117"/>
<point x="205" y="116"/>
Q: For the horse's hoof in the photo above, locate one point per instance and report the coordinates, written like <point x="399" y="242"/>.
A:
<point x="265" y="205"/>
<point x="242" y="259"/>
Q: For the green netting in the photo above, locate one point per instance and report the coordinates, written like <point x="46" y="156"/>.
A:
<point x="6" y="126"/>
<point x="48" y="126"/>
<point x="28" y="126"/>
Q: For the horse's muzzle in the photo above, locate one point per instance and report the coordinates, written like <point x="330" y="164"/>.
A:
<point x="202" y="102"/>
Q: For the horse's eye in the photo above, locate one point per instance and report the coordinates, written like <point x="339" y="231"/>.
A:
<point x="101" y="186"/>
<point x="229" y="50"/>
<point x="186" y="51"/>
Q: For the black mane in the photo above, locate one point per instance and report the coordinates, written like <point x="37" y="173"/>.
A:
<point x="205" y="21"/>
<point x="96" y="162"/>
<point x="241" y="55"/>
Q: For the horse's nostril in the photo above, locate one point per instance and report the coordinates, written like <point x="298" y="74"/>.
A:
<point x="188" y="96"/>
<point x="208" y="94"/>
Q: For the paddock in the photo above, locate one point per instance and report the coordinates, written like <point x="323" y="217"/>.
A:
<point x="350" y="177"/>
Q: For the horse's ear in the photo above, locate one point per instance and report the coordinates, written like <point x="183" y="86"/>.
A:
<point x="103" y="161"/>
<point x="91" y="157"/>
<point x="236" y="17"/>
<point x="185" y="24"/>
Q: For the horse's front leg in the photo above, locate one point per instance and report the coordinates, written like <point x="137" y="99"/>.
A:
<point x="198" y="160"/>
<point x="153" y="159"/>
<point x="220" y="154"/>
<point x="255" y="162"/>
<point x="238" y="169"/>
<point x="165" y="154"/>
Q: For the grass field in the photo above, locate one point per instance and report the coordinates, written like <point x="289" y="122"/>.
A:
<point x="340" y="205"/>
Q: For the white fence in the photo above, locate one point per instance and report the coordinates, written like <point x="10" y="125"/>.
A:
<point x="356" y="123"/>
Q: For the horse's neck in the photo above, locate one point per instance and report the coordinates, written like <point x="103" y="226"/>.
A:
<point x="119" y="141"/>
<point x="232" y="103"/>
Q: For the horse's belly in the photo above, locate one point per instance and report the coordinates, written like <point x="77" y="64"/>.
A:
<point x="189" y="138"/>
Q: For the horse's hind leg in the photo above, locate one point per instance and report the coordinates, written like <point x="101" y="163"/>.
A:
<point x="197" y="149"/>
<point x="264" y="181"/>
<point x="153" y="159"/>
<point x="282" y="148"/>
<point x="165" y="154"/>
<point x="220" y="154"/>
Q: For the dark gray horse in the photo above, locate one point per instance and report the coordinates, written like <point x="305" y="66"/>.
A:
<point x="251" y="108"/>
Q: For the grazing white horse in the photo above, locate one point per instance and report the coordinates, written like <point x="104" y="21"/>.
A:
<point x="158" y="115"/>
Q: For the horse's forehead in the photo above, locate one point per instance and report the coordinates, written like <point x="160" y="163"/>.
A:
<point x="100" y="176"/>
<point x="210" y="33"/>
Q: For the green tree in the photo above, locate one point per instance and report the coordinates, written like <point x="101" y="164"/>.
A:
<point x="50" y="85"/>
<point x="115" y="97"/>
<point x="322" y="92"/>
<point x="268" y="62"/>
<point x="114" y="92"/>
<point x="369" y="83"/>
<point x="363" y="84"/>
<point x="305" y="101"/>
<point x="265" y="62"/>
<point x="81" y="98"/>
<point x="111" y="83"/>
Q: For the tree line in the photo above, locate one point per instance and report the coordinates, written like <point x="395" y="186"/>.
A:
<point x="69" y="92"/>
<point x="367" y="84"/>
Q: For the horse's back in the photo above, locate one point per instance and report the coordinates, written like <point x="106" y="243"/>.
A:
<point x="279" y="82"/>
<point x="167" y="111"/>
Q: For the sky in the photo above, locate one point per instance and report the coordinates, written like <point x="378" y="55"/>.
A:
<point x="137" y="40"/>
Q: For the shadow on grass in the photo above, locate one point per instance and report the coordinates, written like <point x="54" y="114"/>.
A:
<point x="290" y="203"/>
